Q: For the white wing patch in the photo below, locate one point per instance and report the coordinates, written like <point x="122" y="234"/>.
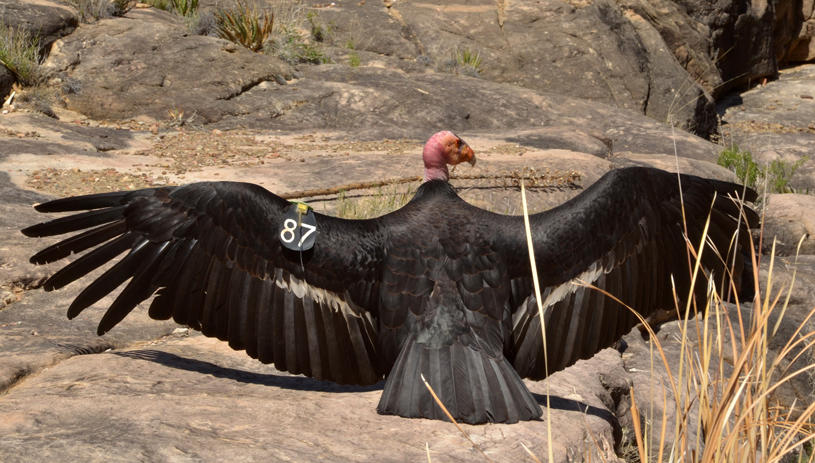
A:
<point x="589" y="276"/>
<point x="301" y="289"/>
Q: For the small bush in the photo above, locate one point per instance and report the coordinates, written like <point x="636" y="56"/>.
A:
<point x="291" y="47"/>
<point x="244" y="26"/>
<point x="353" y="59"/>
<point x="203" y="24"/>
<point x="89" y="11"/>
<point x="20" y="53"/>
<point x="777" y="174"/>
<point x="465" y="62"/>
<point x="741" y="162"/>
<point x="160" y="4"/>
<point x="321" y="32"/>
<point x="185" y="8"/>
<point x="780" y="173"/>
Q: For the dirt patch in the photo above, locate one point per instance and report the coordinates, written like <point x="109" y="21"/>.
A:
<point x="191" y="151"/>
<point x="71" y="182"/>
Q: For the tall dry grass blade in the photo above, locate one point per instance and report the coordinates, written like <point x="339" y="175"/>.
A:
<point x="531" y="248"/>
<point x="532" y="455"/>
<point x="427" y="447"/>
<point x="594" y="439"/>
<point x="635" y="417"/>
<point x="438" y="401"/>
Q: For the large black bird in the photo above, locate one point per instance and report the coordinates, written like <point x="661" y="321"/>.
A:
<point x="439" y="287"/>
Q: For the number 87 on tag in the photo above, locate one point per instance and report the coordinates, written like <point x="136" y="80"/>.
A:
<point x="297" y="231"/>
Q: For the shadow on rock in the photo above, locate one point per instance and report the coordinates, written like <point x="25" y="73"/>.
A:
<point x="298" y="383"/>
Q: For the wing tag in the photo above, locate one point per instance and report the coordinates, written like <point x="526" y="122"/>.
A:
<point x="299" y="227"/>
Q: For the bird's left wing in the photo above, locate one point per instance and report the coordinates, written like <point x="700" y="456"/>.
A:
<point x="213" y="254"/>
<point x="626" y="234"/>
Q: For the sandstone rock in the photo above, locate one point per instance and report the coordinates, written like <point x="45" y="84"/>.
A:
<point x="684" y="37"/>
<point x="43" y="18"/>
<point x="802" y="47"/>
<point x="146" y="64"/>
<point x="194" y="397"/>
<point x="774" y="122"/>
<point x="741" y="37"/>
<point x="674" y="97"/>
<point x="591" y="52"/>
<point x="788" y="217"/>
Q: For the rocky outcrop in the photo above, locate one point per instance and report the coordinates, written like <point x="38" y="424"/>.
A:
<point x="45" y="19"/>
<point x="147" y="64"/>
<point x="776" y="122"/>
<point x="591" y="51"/>
<point x="788" y="218"/>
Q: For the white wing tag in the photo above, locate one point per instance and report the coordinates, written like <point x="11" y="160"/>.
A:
<point x="299" y="227"/>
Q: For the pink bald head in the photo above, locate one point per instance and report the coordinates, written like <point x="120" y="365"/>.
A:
<point x="442" y="149"/>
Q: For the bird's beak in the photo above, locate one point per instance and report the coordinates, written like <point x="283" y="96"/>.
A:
<point x="467" y="154"/>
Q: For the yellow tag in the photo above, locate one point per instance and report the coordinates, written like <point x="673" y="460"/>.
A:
<point x="302" y="208"/>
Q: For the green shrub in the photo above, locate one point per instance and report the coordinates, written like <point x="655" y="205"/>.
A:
<point x="185" y="8"/>
<point x="291" y="47"/>
<point x="780" y="173"/>
<point x="244" y="26"/>
<point x="464" y="62"/>
<point x="353" y="59"/>
<point x="741" y="162"/>
<point x="92" y="10"/>
<point x="20" y="53"/>
<point x="777" y="174"/>
<point x="321" y="32"/>
<point x="160" y="4"/>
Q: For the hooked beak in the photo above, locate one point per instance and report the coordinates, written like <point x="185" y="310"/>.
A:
<point x="467" y="154"/>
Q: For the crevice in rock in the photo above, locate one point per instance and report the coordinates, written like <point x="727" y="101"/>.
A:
<point x="249" y="86"/>
<point x="406" y="27"/>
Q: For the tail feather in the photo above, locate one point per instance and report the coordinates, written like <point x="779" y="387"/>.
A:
<point x="474" y="387"/>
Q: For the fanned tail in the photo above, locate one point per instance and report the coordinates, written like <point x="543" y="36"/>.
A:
<point x="474" y="387"/>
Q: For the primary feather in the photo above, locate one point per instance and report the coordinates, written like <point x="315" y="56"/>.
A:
<point x="439" y="287"/>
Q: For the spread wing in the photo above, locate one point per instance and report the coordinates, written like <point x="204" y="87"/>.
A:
<point x="625" y="235"/>
<point x="211" y="252"/>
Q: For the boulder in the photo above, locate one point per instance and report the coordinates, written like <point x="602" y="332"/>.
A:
<point x="45" y="19"/>
<point x="788" y="218"/>
<point x="741" y="37"/>
<point x="802" y="46"/>
<point x="147" y="65"/>
<point x="590" y="50"/>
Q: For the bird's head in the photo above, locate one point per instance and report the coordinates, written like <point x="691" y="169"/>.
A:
<point x="442" y="149"/>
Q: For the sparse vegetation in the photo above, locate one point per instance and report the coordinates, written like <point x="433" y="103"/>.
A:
<point x="780" y="174"/>
<point x="465" y="62"/>
<point x="777" y="174"/>
<point x="89" y="11"/>
<point x="353" y="59"/>
<point x="185" y="8"/>
<point x="244" y="25"/>
<point x="741" y="162"/>
<point x="319" y="30"/>
<point x="384" y="200"/>
<point x="160" y="4"/>
<point x="20" y="53"/>
<point x="290" y="46"/>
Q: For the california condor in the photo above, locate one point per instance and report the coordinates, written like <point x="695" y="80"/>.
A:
<point x="438" y="287"/>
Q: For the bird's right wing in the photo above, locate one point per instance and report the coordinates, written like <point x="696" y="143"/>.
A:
<point x="626" y="234"/>
<point x="212" y="253"/>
